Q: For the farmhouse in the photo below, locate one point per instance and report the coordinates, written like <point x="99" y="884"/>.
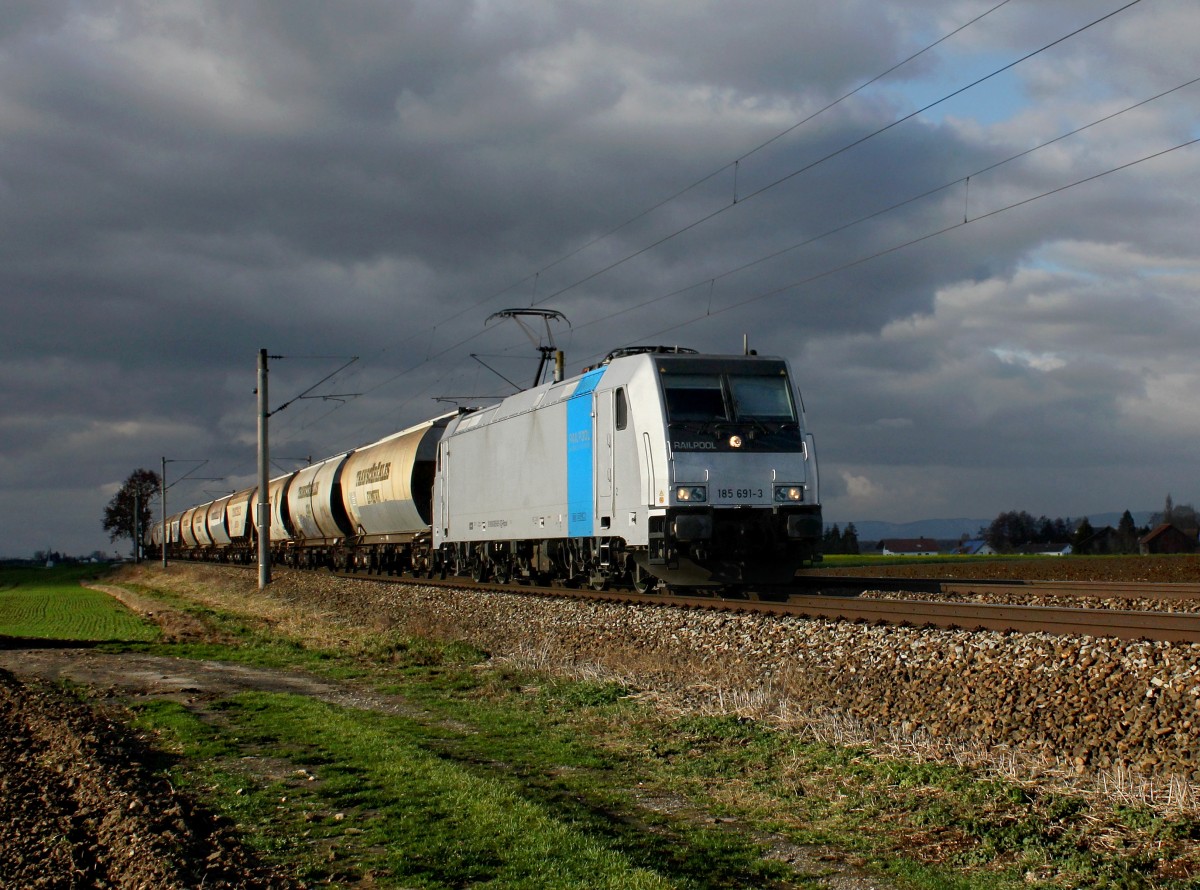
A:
<point x="1167" y="538"/>
<point x="975" y="547"/>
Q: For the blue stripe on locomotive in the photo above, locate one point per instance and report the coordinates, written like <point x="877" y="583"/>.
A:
<point x="581" y="492"/>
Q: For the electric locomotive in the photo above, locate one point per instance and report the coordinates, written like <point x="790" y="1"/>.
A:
<point x="659" y="465"/>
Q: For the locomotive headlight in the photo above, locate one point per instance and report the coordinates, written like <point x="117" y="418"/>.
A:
<point x="788" y="493"/>
<point x="694" y="494"/>
<point x="735" y="441"/>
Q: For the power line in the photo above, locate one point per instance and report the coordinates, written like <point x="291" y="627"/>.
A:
<point x="431" y="355"/>
<point x="918" y="240"/>
<point x="909" y="243"/>
<point x="736" y="161"/>
<point x="833" y="154"/>
<point x="883" y="211"/>
<point x="926" y="237"/>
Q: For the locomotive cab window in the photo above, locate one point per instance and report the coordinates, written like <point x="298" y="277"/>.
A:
<point x="622" y="409"/>
<point x="762" y="398"/>
<point x="697" y="397"/>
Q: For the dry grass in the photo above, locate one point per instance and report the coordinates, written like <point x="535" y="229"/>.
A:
<point x="1170" y="797"/>
<point x="271" y="612"/>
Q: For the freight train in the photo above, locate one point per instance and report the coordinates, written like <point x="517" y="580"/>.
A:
<point x="659" y="466"/>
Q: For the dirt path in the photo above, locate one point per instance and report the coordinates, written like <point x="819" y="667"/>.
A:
<point x="190" y="683"/>
<point x="80" y="808"/>
<point x="80" y="805"/>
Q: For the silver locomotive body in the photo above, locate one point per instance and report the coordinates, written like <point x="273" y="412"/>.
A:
<point x="654" y="466"/>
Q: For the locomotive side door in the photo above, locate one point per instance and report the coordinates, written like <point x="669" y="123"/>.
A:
<point x="604" y="458"/>
<point x="441" y="523"/>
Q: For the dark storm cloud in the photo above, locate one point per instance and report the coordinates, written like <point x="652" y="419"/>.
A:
<point x="183" y="183"/>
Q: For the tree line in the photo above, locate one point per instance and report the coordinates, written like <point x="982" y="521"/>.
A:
<point x="1017" y="530"/>
<point x="1014" y="531"/>
<point x="838" y="541"/>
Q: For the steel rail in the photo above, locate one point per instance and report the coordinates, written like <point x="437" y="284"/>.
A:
<point x="1122" y="623"/>
<point x="1158" y="590"/>
<point x="1164" y="590"/>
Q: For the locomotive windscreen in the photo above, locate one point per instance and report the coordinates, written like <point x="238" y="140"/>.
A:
<point x="694" y="397"/>
<point x="730" y="396"/>
<point x="707" y="397"/>
<point x="761" y="398"/>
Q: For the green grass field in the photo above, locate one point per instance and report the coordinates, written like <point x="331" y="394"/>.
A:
<point x="50" y="604"/>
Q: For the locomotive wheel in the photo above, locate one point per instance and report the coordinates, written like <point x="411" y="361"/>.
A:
<point x="479" y="570"/>
<point x="502" y="571"/>
<point x="643" y="581"/>
<point x="598" y="581"/>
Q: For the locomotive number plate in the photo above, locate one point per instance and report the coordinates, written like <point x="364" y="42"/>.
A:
<point x="741" y="494"/>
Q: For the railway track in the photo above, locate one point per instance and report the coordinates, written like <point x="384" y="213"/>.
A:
<point x="1121" y="623"/>
<point x="1129" y="624"/>
<point x="1132" y="590"/>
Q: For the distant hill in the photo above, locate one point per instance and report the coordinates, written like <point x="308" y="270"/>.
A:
<point x="953" y="529"/>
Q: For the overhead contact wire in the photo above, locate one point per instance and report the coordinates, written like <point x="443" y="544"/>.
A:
<point x="757" y="192"/>
<point x="928" y="236"/>
<point x="835" y="153"/>
<point x="883" y="211"/>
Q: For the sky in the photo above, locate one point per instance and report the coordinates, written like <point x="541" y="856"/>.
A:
<point x="969" y="225"/>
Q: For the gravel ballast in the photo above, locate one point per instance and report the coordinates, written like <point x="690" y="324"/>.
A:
<point x="1083" y="703"/>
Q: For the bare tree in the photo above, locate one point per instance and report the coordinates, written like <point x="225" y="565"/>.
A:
<point x="141" y="486"/>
